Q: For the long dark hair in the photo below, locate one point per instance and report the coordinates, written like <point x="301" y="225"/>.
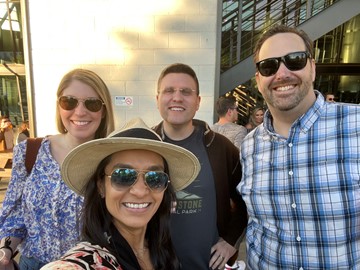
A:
<point x="97" y="220"/>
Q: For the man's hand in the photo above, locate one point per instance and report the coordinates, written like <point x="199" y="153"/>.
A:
<point x="221" y="252"/>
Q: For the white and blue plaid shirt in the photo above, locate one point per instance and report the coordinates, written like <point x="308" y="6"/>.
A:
<point x="303" y="192"/>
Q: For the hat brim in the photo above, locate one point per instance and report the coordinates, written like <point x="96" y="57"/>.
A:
<point x="81" y="163"/>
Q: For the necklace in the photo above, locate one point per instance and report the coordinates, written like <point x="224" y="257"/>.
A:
<point x="140" y="252"/>
<point x="143" y="256"/>
<point x="137" y="258"/>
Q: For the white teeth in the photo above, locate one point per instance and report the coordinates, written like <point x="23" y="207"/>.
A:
<point x="177" y="109"/>
<point x="284" y="88"/>
<point x="80" y="123"/>
<point x="137" y="205"/>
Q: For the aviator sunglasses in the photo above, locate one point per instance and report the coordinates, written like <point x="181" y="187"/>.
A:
<point x="124" y="178"/>
<point x="293" y="61"/>
<point x="70" y="103"/>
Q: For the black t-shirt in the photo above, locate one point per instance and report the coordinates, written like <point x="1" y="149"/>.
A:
<point x="193" y="226"/>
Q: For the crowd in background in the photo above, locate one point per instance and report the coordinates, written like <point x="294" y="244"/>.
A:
<point x="10" y="135"/>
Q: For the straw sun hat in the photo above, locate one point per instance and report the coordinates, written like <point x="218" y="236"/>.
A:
<point x="81" y="163"/>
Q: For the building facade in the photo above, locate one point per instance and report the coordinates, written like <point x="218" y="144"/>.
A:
<point x="127" y="43"/>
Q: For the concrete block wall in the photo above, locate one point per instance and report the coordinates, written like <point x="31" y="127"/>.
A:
<point x="127" y="43"/>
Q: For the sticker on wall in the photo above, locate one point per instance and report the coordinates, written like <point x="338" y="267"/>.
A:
<point x="124" y="101"/>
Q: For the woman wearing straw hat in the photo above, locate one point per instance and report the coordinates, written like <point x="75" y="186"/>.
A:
<point x="128" y="181"/>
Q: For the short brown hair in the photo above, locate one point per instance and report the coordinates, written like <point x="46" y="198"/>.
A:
<point x="179" y="68"/>
<point x="223" y="104"/>
<point x="279" y="28"/>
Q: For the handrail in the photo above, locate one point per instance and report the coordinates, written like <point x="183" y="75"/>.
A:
<point x="256" y="17"/>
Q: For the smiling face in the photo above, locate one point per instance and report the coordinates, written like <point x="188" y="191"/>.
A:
<point x="177" y="109"/>
<point x="133" y="207"/>
<point x="80" y="122"/>
<point x="286" y="90"/>
<point x="259" y="117"/>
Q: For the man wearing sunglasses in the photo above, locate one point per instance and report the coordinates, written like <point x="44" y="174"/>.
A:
<point x="301" y="167"/>
<point x="329" y="97"/>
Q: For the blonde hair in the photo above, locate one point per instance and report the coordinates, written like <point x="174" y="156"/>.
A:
<point x="252" y="121"/>
<point x="95" y="82"/>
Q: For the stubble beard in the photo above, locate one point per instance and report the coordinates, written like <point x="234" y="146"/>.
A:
<point x="290" y="103"/>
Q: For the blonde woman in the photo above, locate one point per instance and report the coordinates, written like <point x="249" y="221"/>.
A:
<point x="40" y="214"/>
<point x="256" y="118"/>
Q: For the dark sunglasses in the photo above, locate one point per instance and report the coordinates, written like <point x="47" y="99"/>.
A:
<point x="293" y="61"/>
<point x="70" y="103"/>
<point x="124" y="178"/>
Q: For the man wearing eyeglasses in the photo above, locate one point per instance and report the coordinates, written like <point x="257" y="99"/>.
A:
<point x="301" y="168"/>
<point x="210" y="215"/>
<point x="226" y="108"/>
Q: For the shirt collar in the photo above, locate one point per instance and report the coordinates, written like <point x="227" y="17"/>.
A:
<point x="304" y="122"/>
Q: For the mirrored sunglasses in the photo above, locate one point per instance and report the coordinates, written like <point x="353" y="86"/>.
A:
<point x="70" y="103"/>
<point x="124" y="178"/>
<point x="293" y="61"/>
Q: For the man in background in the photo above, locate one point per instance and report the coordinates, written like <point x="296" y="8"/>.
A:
<point x="329" y="97"/>
<point x="226" y="108"/>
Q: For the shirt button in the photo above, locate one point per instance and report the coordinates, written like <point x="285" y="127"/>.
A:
<point x="298" y="238"/>
<point x="293" y="205"/>
<point x="301" y="268"/>
<point x="290" y="144"/>
<point x="291" y="172"/>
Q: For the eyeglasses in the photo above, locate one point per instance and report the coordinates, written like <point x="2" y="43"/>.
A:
<point x="124" y="178"/>
<point x="70" y="103"/>
<point x="171" y="91"/>
<point x="293" y="61"/>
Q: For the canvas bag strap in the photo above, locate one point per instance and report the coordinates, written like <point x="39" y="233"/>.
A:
<point x="32" y="149"/>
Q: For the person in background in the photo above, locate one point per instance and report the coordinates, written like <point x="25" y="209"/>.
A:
<point x="301" y="167"/>
<point x="7" y="131"/>
<point x="255" y="119"/>
<point x="128" y="188"/>
<point x="40" y="214"/>
<point x="210" y="215"/>
<point x="23" y="132"/>
<point x="329" y="97"/>
<point x="226" y="108"/>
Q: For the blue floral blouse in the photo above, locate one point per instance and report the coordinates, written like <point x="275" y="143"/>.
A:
<point x="40" y="208"/>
